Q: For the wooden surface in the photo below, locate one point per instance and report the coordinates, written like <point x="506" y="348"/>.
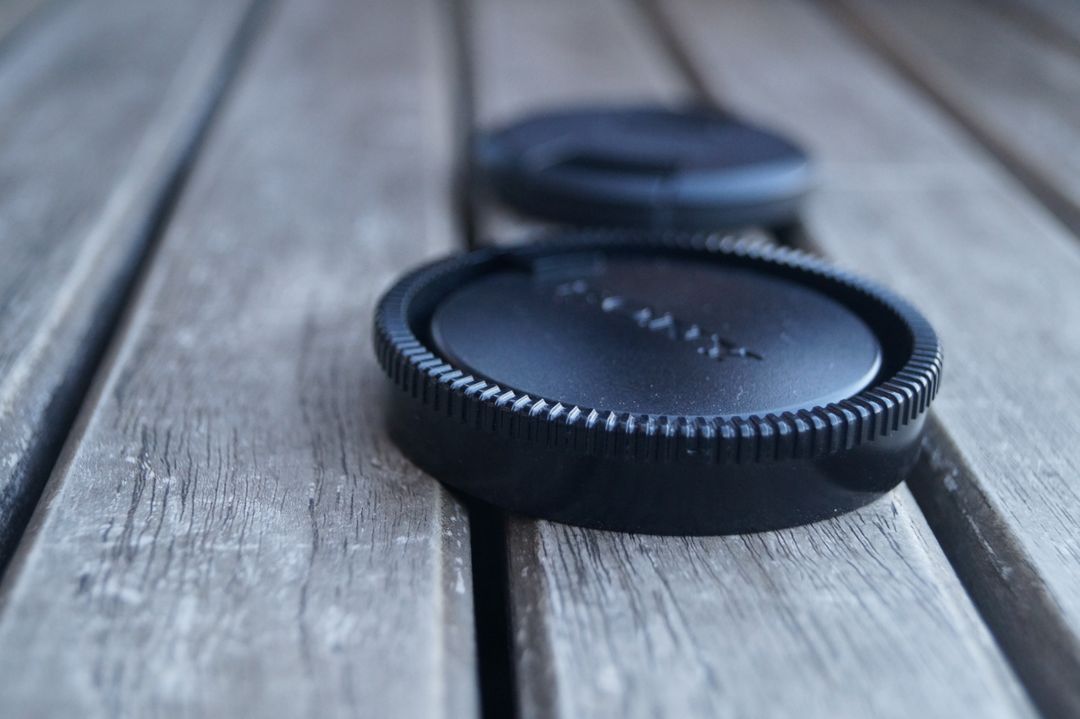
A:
<point x="776" y="624"/>
<point x="229" y="532"/>
<point x="1057" y="21"/>
<point x="99" y="104"/>
<point x="919" y="205"/>
<point x="14" y="14"/>
<point x="1007" y="82"/>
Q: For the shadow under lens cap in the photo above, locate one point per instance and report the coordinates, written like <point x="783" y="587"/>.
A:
<point x="645" y="167"/>
<point x="666" y="385"/>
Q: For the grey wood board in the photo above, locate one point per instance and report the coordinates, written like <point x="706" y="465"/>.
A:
<point x="1053" y="20"/>
<point x="1015" y="90"/>
<point x="922" y="207"/>
<point x="99" y="103"/>
<point x="13" y="13"/>
<point x="857" y="616"/>
<point x="1062" y="14"/>
<point x="229" y="532"/>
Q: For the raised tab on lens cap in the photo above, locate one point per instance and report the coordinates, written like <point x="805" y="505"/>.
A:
<point x="663" y="384"/>
<point x="645" y="167"/>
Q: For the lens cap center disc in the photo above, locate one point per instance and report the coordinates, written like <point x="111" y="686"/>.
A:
<point x="661" y="336"/>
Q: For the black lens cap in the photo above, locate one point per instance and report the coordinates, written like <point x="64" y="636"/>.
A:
<point x="673" y="384"/>
<point x="694" y="168"/>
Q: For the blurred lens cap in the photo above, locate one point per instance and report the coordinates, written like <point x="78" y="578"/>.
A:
<point x="660" y="384"/>
<point x="645" y="167"/>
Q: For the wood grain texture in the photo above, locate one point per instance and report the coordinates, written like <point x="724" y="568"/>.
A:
<point x="1013" y="89"/>
<point x="917" y="204"/>
<point x="13" y="13"/>
<point x="99" y="105"/>
<point x="858" y="616"/>
<point x="229" y="532"/>
<point x="1055" y="21"/>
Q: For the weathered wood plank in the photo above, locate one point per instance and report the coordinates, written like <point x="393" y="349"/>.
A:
<point x="229" y="532"/>
<point x="857" y="616"/>
<point x="915" y="202"/>
<point x="1017" y="92"/>
<point x="1055" y="20"/>
<point x="99" y="106"/>
<point x="13" y="13"/>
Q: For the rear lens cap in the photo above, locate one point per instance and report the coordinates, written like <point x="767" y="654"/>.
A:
<point x="675" y="384"/>
<point x="645" y="167"/>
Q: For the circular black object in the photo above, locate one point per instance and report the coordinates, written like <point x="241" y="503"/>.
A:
<point x="645" y="167"/>
<point x="684" y="384"/>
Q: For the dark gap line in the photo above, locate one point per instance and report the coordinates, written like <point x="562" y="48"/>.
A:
<point x="487" y="524"/>
<point x="1044" y="190"/>
<point x="62" y="413"/>
<point x="1037" y="642"/>
<point x="794" y="234"/>
<point x="1035" y="23"/>
<point x="465" y="197"/>
<point x="998" y="576"/>
<point x="491" y="604"/>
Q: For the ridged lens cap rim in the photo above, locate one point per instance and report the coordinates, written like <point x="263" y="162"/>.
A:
<point x="704" y="475"/>
<point x="876" y="411"/>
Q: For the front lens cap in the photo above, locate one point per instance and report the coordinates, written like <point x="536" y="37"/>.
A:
<point x="672" y="384"/>
<point x="694" y="168"/>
